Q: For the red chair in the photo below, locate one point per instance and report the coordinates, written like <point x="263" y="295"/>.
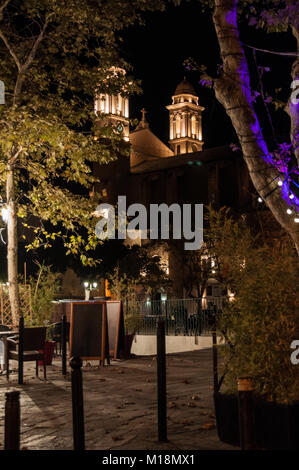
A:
<point x="33" y="348"/>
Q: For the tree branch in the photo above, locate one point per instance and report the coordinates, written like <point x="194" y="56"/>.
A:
<point x="40" y="37"/>
<point x="10" y="50"/>
<point x="4" y="6"/>
<point x="24" y="67"/>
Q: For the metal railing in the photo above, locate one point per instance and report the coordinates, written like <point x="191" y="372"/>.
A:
<point x="182" y="316"/>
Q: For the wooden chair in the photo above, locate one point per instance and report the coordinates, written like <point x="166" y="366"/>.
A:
<point x="33" y="348"/>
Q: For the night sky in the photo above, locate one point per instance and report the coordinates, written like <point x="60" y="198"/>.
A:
<point x="157" y="52"/>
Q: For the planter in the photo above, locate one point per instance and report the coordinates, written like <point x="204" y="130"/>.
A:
<point x="276" y="424"/>
<point x="227" y="418"/>
<point x="48" y="354"/>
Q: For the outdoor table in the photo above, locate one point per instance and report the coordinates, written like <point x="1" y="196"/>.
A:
<point x="3" y="348"/>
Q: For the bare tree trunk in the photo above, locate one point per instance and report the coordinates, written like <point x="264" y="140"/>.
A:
<point x="232" y="90"/>
<point x="12" y="245"/>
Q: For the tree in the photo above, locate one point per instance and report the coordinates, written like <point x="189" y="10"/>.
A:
<point x="54" y="56"/>
<point x="140" y="267"/>
<point x="233" y="90"/>
<point x="197" y="271"/>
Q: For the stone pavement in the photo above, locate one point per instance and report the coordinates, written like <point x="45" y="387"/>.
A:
<point x="119" y="405"/>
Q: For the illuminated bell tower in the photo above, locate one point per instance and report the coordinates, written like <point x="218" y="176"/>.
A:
<point x="115" y="108"/>
<point x="185" y="128"/>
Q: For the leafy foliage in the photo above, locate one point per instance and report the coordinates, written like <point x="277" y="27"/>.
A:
<point x="140" y="270"/>
<point x="54" y="57"/>
<point x="261" y="322"/>
<point x="44" y="289"/>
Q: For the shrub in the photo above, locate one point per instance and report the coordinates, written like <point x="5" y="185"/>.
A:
<point x="263" y="319"/>
<point x="44" y="289"/>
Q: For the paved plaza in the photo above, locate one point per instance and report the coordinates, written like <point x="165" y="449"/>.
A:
<point x="120" y="405"/>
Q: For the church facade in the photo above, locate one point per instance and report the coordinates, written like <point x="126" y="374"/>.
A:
<point x="182" y="172"/>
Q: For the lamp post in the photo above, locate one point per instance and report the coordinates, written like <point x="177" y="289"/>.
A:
<point x="89" y="286"/>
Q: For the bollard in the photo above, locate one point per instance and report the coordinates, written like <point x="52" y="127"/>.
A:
<point x="246" y="413"/>
<point x="21" y="351"/>
<point x="12" y="421"/>
<point x="63" y="344"/>
<point x="161" y="381"/>
<point x="77" y="403"/>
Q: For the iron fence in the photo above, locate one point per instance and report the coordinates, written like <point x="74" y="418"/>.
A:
<point x="182" y="316"/>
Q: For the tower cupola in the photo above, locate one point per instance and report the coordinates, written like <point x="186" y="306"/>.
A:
<point x="185" y="126"/>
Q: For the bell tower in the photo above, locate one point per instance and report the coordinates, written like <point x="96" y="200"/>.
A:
<point x="115" y="109"/>
<point x="185" y="128"/>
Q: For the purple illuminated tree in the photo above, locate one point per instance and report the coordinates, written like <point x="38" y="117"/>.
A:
<point x="273" y="174"/>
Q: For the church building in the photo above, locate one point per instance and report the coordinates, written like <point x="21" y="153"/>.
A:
<point x="181" y="171"/>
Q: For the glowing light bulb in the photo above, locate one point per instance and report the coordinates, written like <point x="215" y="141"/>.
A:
<point x="289" y="211"/>
<point x="259" y="199"/>
<point x="296" y="220"/>
<point x="291" y="196"/>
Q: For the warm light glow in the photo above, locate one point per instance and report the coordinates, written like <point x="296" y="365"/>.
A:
<point x="4" y="213"/>
<point x="178" y="126"/>
<point x="126" y="108"/>
<point x="193" y="125"/>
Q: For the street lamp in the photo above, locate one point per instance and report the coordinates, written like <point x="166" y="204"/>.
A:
<point x="89" y="286"/>
<point x="4" y="213"/>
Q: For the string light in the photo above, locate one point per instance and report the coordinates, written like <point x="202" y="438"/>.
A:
<point x="281" y="161"/>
